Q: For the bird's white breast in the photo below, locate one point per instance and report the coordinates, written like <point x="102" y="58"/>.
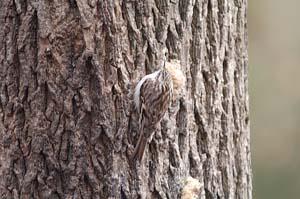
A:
<point x="138" y="88"/>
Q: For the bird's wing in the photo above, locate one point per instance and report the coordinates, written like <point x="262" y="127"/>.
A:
<point x="155" y="99"/>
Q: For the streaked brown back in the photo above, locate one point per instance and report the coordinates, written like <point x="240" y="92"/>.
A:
<point x="155" y="99"/>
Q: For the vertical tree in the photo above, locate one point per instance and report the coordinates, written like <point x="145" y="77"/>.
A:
<point x="67" y="72"/>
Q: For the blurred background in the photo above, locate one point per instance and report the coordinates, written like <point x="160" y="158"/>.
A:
<point x="274" y="65"/>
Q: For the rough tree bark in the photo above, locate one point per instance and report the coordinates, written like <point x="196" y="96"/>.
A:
<point x="67" y="124"/>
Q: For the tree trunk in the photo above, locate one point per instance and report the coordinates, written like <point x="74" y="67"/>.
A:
<point x="67" y="74"/>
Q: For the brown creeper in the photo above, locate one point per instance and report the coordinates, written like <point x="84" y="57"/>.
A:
<point x="152" y="98"/>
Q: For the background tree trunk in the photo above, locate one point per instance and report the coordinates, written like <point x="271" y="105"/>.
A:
<point x="68" y="69"/>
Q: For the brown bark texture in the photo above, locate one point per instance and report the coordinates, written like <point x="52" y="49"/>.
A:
<point x="67" y="74"/>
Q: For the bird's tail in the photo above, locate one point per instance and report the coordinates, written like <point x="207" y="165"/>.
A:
<point x="140" y="148"/>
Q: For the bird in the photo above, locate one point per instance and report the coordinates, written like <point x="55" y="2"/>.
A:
<point x="152" y="97"/>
